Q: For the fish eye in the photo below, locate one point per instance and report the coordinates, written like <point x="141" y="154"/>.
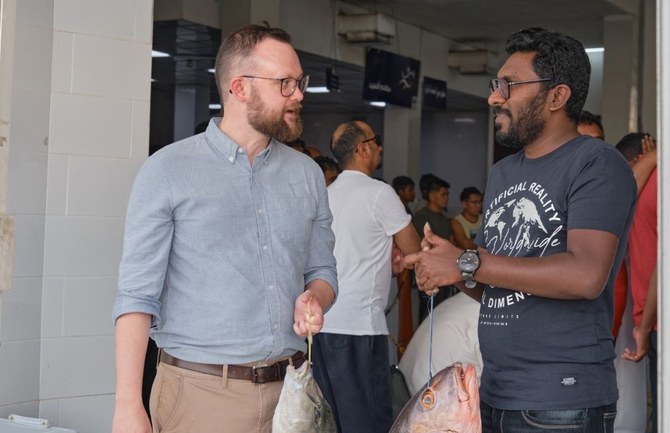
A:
<point x="428" y="399"/>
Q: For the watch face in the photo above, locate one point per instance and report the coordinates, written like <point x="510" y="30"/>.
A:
<point x="468" y="262"/>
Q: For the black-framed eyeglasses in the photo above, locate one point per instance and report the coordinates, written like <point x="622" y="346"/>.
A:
<point x="288" y="84"/>
<point x="377" y="139"/>
<point x="503" y="86"/>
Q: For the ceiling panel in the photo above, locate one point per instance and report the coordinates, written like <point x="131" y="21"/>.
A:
<point x="472" y="22"/>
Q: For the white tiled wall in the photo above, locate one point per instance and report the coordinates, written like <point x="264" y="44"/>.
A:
<point x="19" y="374"/>
<point x="87" y="306"/>
<point x="121" y="69"/>
<point x="36" y="13"/>
<point x="28" y="169"/>
<point x="89" y="125"/>
<point x="52" y="307"/>
<point x="77" y="366"/>
<point x="28" y="243"/>
<point x="24" y="298"/>
<point x="100" y="186"/>
<point x="77" y="411"/>
<point x="82" y="246"/>
<point x="80" y="131"/>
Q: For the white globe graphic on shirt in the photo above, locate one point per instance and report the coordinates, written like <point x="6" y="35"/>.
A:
<point x="524" y="216"/>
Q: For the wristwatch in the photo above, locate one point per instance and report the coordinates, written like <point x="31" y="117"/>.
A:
<point x="468" y="263"/>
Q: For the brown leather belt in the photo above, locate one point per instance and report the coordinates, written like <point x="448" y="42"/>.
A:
<point x="263" y="374"/>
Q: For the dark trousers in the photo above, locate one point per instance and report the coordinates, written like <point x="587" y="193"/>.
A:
<point x="353" y="374"/>
<point x="588" y="420"/>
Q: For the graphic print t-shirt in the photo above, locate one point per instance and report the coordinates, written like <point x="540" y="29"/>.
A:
<point x="542" y="353"/>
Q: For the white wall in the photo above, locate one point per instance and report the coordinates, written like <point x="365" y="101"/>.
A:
<point x="80" y="130"/>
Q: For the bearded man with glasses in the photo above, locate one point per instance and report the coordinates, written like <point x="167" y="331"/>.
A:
<point x="556" y="219"/>
<point x="228" y="254"/>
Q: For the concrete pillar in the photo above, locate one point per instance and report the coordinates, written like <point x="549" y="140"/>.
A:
<point x="620" y="83"/>
<point x="649" y="75"/>
<point x="7" y="30"/>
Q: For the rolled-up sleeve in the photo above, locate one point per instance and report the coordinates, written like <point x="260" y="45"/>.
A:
<point x="321" y="263"/>
<point x="147" y="241"/>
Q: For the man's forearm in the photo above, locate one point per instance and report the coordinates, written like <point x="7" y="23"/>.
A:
<point x="323" y="293"/>
<point x="579" y="273"/>
<point x="132" y="336"/>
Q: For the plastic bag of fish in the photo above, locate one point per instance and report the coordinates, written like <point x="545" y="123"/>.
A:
<point x="448" y="403"/>
<point x="301" y="407"/>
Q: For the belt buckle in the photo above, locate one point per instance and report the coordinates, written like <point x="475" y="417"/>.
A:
<point x="254" y="373"/>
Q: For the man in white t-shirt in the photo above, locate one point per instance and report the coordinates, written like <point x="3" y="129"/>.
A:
<point x="351" y="358"/>
<point x="454" y="339"/>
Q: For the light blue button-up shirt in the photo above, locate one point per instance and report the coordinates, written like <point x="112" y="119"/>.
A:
<point x="218" y="250"/>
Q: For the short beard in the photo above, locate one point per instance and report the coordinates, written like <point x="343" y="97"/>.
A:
<point x="264" y="121"/>
<point x="526" y="128"/>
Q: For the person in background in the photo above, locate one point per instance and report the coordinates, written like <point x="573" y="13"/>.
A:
<point x="436" y="193"/>
<point x="642" y="254"/>
<point x="299" y="145"/>
<point x="437" y="199"/>
<point x="329" y="167"/>
<point x="424" y="182"/>
<point x="556" y="219"/>
<point x="351" y="354"/>
<point x="313" y="152"/>
<point x="228" y="254"/>
<point x="589" y="124"/>
<point x="404" y="187"/>
<point x="465" y="225"/>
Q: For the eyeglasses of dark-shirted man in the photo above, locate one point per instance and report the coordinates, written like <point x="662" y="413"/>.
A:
<point x="288" y="84"/>
<point x="504" y="87"/>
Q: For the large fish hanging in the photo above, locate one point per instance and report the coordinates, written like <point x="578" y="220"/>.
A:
<point x="448" y="403"/>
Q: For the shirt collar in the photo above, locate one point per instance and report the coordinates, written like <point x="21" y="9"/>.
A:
<point x="229" y="148"/>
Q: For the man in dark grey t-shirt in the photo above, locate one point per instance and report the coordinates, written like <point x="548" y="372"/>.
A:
<point x="556" y="220"/>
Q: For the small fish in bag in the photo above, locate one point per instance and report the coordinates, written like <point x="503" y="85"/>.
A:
<point x="301" y="407"/>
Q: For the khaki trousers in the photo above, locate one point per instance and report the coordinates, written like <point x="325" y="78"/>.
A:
<point x="185" y="401"/>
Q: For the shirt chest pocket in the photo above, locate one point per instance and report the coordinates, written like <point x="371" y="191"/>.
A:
<point x="292" y="210"/>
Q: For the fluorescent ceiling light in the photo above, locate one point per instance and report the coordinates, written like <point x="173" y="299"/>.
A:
<point x="322" y="89"/>
<point x="595" y="50"/>
<point x="211" y="70"/>
<point x="214" y="106"/>
<point x="464" y="120"/>
<point x="155" y="53"/>
<point x="378" y="104"/>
